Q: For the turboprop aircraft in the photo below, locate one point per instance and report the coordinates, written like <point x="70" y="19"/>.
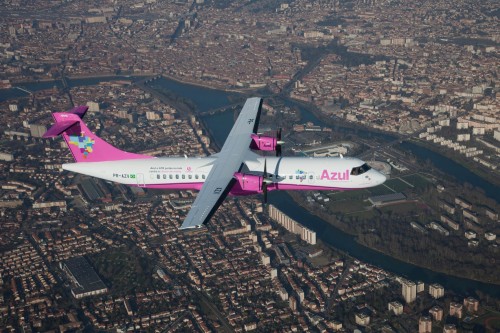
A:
<point x="235" y="170"/>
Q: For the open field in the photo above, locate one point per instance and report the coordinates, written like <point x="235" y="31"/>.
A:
<point x="397" y="185"/>
<point x="357" y="201"/>
<point x="417" y="180"/>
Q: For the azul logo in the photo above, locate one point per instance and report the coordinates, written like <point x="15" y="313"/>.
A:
<point x="84" y="143"/>
<point x="334" y="175"/>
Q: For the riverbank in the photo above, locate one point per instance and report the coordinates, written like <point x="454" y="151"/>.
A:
<point x="244" y="91"/>
<point x="447" y="153"/>
<point x="298" y="199"/>
<point x="81" y="77"/>
<point x="468" y="165"/>
<point x="336" y="121"/>
<point x="106" y="75"/>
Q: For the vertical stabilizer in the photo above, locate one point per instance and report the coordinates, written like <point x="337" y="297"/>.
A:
<point x="85" y="145"/>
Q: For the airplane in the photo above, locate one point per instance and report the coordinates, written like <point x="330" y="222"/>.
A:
<point x="235" y="170"/>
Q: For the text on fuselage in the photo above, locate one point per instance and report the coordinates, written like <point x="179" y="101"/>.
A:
<point x="334" y="175"/>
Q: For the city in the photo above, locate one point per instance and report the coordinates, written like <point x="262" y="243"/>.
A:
<point x="82" y="254"/>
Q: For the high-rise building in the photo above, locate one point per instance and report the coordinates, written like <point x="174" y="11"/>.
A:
<point x="291" y="225"/>
<point x="283" y="294"/>
<point x="420" y="286"/>
<point x="436" y="290"/>
<point x="409" y="290"/>
<point x="456" y="309"/>
<point x="266" y="260"/>
<point x="424" y="325"/>
<point x="471" y="304"/>
<point x="362" y="319"/>
<point x="300" y="294"/>
<point x="496" y="135"/>
<point x="293" y="303"/>
<point x="437" y="313"/>
<point x="396" y="307"/>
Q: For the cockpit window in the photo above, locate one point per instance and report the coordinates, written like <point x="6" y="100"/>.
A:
<point x="360" y="170"/>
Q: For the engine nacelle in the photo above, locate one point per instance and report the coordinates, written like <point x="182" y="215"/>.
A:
<point x="251" y="183"/>
<point x="266" y="143"/>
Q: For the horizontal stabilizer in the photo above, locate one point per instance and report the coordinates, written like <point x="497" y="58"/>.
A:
<point x="59" y="127"/>
<point x="79" y="110"/>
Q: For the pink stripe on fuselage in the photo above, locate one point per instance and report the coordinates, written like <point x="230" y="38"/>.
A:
<point x="237" y="191"/>
<point x="176" y="186"/>
<point x="297" y="187"/>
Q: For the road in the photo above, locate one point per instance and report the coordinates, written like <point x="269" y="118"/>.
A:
<point x="331" y="300"/>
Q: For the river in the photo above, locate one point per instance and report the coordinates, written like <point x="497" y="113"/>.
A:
<point x="11" y="93"/>
<point x="220" y="124"/>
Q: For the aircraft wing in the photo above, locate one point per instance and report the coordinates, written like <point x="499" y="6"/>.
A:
<point x="229" y="160"/>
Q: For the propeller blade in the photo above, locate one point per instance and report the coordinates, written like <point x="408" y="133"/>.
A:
<point x="264" y="190"/>
<point x="279" y="142"/>
<point x="265" y="181"/>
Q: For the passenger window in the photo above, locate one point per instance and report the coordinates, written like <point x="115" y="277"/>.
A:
<point x="158" y="176"/>
<point x="311" y="177"/>
<point x="190" y="176"/>
<point x="164" y="176"/>
<point x="196" y="176"/>
<point x="290" y="177"/>
<point x="183" y="176"/>
<point x="176" y="176"/>
<point x="170" y="176"/>
<point x="203" y="176"/>
<point x="297" y="177"/>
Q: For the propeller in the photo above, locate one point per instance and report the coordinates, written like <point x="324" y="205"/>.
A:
<point x="265" y="181"/>
<point x="278" y="143"/>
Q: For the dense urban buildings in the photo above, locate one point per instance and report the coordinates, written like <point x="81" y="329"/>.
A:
<point x="81" y="254"/>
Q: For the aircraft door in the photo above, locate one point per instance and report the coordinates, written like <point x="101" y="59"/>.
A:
<point x="140" y="180"/>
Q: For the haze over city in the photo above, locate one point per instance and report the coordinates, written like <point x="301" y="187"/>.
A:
<point x="410" y="87"/>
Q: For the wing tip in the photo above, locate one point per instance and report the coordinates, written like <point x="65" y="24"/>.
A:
<point x="190" y="227"/>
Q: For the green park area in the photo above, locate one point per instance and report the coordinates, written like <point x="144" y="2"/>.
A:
<point x="123" y="270"/>
<point x="356" y="202"/>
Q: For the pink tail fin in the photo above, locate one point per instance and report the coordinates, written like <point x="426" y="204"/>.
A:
<point x="85" y="145"/>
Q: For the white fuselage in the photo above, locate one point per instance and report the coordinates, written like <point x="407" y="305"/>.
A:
<point x="286" y="173"/>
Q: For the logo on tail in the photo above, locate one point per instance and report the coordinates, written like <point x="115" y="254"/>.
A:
<point x="84" y="143"/>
